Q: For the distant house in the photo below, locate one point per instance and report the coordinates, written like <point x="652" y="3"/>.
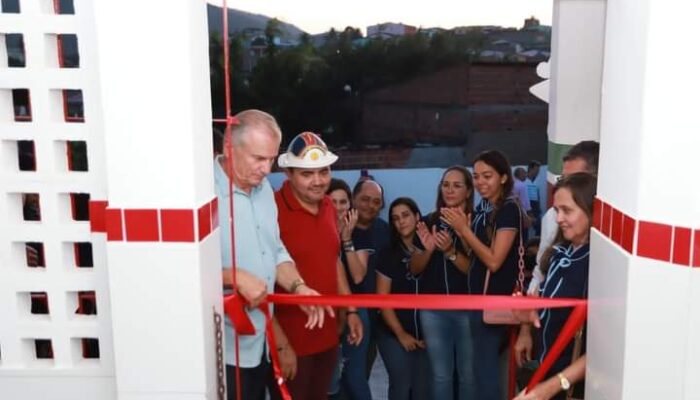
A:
<point x="390" y="30"/>
<point x="531" y="22"/>
<point x="504" y="46"/>
<point x="529" y="44"/>
<point x="485" y="29"/>
<point x="492" y="55"/>
<point x="533" y="55"/>
<point x="256" y="46"/>
<point x="430" y="32"/>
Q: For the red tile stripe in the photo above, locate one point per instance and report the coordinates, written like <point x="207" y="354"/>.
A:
<point x="681" y="245"/>
<point x="696" y="248"/>
<point x="629" y="228"/>
<point x="154" y="225"/>
<point x="597" y="214"/>
<point x="674" y="244"/>
<point x="654" y="241"/>
<point x="97" y="211"/>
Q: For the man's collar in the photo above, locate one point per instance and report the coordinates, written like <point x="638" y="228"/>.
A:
<point x="292" y="203"/>
<point x="290" y="200"/>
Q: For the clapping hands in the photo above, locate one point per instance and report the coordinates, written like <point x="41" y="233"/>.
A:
<point x="347" y="224"/>
<point x="456" y="218"/>
<point x="425" y="236"/>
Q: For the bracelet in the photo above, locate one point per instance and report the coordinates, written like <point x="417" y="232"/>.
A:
<point x="295" y="285"/>
<point x="351" y="312"/>
<point x="348" y="246"/>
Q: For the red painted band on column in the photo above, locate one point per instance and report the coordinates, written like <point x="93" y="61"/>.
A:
<point x="97" y="211"/>
<point x="154" y="225"/>
<point x="678" y="245"/>
<point x="696" y="248"/>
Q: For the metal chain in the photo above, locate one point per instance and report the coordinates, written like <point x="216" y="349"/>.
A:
<point x="220" y="374"/>
<point x="521" y="255"/>
<point x="521" y="267"/>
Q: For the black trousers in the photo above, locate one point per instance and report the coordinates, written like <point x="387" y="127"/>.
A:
<point x="253" y="381"/>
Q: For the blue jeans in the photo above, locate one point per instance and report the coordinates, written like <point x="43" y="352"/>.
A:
<point x="487" y="342"/>
<point x="354" y="376"/>
<point x="334" y="388"/>
<point x="408" y="370"/>
<point x="449" y="347"/>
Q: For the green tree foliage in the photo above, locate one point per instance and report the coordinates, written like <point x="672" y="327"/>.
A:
<point x="239" y="93"/>
<point x="272" y="32"/>
<point x="321" y="88"/>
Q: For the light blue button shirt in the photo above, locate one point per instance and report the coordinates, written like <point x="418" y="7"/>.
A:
<point x="259" y="250"/>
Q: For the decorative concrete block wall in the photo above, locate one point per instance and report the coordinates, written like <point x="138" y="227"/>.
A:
<point x="109" y="270"/>
<point x="56" y="334"/>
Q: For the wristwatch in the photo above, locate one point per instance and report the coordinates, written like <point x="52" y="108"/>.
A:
<point x="565" y="384"/>
<point x="348" y="246"/>
<point x="453" y="256"/>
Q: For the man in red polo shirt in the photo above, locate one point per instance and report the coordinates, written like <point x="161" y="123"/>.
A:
<point x="307" y="221"/>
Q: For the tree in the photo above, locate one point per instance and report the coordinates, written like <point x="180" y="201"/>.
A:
<point x="272" y="32"/>
<point x="239" y="91"/>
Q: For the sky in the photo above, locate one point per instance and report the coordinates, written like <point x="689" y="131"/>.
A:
<point x="317" y="16"/>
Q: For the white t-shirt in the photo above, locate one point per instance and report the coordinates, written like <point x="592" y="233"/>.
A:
<point x="549" y="233"/>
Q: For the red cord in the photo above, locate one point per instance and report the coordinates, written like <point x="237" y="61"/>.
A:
<point x="229" y="171"/>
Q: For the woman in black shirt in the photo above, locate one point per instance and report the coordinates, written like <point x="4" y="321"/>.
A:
<point x="443" y="266"/>
<point x="401" y="341"/>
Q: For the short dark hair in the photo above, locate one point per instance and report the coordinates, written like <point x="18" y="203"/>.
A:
<point x="339" y="184"/>
<point x="586" y="150"/>
<point x="533" y="164"/>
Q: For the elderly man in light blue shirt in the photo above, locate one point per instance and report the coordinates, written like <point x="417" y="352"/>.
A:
<point x="261" y="258"/>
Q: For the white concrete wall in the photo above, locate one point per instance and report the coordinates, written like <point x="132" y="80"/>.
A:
<point x="642" y="312"/>
<point x="154" y="73"/>
<point x="68" y="375"/>
<point x="578" y="31"/>
<point x="575" y="71"/>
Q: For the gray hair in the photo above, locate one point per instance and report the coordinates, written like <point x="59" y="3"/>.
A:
<point x="251" y="120"/>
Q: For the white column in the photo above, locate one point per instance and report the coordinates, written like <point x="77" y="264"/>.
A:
<point x="575" y="66"/>
<point x="164" y="273"/>
<point x="644" y="290"/>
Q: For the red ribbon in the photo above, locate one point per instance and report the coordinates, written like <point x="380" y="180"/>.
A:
<point x="235" y="308"/>
<point x="427" y="301"/>
<point x="274" y="355"/>
<point x="572" y="325"/>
